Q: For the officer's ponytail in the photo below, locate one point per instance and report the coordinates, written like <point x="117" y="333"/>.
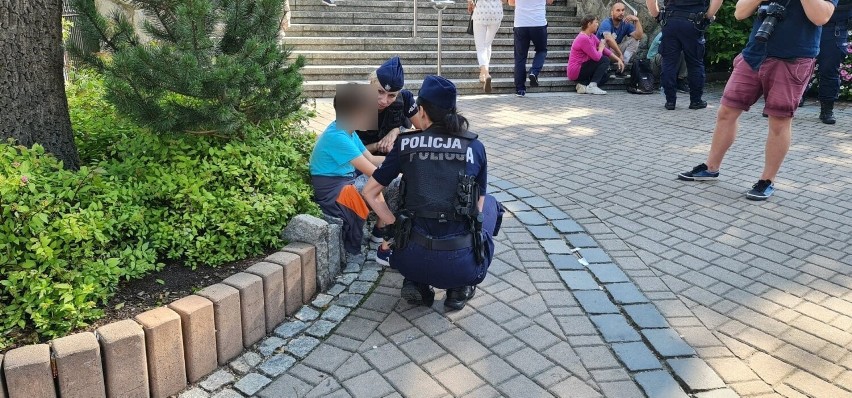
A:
<point x="447" y="119"/>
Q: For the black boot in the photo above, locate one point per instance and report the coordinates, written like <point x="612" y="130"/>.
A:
<point x="417" y="293"/>
<point x="826" y="113"/>
<point x="457" y="297"/>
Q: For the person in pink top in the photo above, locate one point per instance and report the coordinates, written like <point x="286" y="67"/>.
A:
<point x="589" y="60"/>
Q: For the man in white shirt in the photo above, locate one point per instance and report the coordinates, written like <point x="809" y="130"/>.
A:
<point x="530" y="26"/>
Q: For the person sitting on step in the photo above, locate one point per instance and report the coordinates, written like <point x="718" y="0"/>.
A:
<point x="589" y="59"/>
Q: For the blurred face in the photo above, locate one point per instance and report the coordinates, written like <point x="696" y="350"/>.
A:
<point x="385" y="97"/>
<point x="362" y="115"/>
<point x="618" y="12"/>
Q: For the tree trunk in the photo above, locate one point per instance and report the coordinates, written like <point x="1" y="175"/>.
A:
<point x="33" y="106"/>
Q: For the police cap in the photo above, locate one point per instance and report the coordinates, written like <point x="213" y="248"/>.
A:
<point x="390" y="75"/>
<point x="439" y="92"/>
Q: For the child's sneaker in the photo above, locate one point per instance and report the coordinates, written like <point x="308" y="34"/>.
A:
<point x="383" y="256"/>
<point x="377" y="236"/>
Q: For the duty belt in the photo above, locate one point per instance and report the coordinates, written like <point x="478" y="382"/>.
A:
<point x="449" y="244"/>
<point x="692" y="16"/>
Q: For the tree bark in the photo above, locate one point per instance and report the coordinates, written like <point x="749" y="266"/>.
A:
<point x="33" y="106"/>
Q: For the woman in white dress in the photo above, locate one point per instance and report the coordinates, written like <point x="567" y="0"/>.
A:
<point x="487" y="16"/>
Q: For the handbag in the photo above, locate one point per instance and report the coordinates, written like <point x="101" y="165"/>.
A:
<point x="470" y="22"/>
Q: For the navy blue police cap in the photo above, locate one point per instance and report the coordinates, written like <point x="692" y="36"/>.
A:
<point x="390" y="75"/>
<point x="439" y="92"/>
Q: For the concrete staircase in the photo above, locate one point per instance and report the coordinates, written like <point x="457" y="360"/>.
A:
<point x="346" y="43"/>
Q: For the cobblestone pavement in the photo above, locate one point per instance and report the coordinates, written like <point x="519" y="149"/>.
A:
<point x="759" y="290"/>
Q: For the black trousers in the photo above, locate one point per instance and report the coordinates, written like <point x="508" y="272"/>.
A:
<point x="594" y="72"/>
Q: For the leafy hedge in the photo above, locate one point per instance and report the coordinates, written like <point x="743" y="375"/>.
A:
<point x="68" y="238"/>
<point x="726" y="37"/>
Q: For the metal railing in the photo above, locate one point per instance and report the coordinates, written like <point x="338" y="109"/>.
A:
<point x="440" y="5"/>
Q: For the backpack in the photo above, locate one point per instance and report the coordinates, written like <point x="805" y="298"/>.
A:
<point x="641" y="78"/>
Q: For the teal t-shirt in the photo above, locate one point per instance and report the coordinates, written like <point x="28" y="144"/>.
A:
<point x="334" y="151"/>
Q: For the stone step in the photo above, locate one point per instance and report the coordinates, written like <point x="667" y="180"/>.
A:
<point x="427" y="19"/>
<point x="326" y="89"/>
<point x="449" y="31"/>
<point x="319" y="58"/>
<point x="466" y="71"/>
<point x="403" y="6"/>
<point x="406" y="44"/>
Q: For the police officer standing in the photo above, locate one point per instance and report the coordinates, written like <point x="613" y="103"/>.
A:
<point x="443" y="231"/>
<point x="684" y="23"/>
<point x="396" y="106"/>
<point x="832" y="51"/>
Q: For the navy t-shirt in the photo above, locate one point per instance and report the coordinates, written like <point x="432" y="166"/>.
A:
<point x="794" y="37"/>
<point x="477" y="166"/>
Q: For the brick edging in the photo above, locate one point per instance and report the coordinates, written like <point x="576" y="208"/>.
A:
<point x="160" y="352"/>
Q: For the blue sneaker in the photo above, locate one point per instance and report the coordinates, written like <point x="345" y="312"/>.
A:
<point x="761" y="191"/>
<point x="383" y="256"/>
<point x="698" y="173"/>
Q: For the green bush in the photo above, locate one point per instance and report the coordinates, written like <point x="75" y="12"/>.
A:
<point x="68" y="238"/>
<point x="62" y="247"/>
<point x="726" y="37"/>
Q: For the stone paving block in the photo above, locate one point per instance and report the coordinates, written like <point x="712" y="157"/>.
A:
<point x="321" y="329"/>
<point x="290" y="329"/>
<point x="722" y="393"/>
<point x="270" y="345"/>
<point x="293" y="281"/>
<point x="246" y="362"/>
<point x="302" y="346"/>
<point x="273" y="292"/>
<point x="595" y="255"/>
<point x="78" y="366"/>
<point x="251" y="383"/>
<point x="543" y="232"/>
<point x="516" y="206"/>
<point x="539" y="203"/>
<point x="626" y="293"/>
<point x="459" y="380"/>
<point x="566" y="262"/>
<point x="198" y="327"/>
<point x="521" y="193"/>
<point x="522" y="386"/>
<point x="123" y="347"/>
<point x="567" y="226"/>
<point x="574" y="387"/>
<point x="530" y="218"/>
<point x="28" y="373"/>
<point x="411" y="381"/>
<point x="614" y="328"/>
<point x="667" y="342"/>
<point x="307" y="254"/>
<point x="228" y="319"/>
<point x="251" y="305"/>
<point x="581" y="240"/>
<point x="276" y="365"/>
<point x="217" y="380"/>
<point x="227" y="393"/>
<point x="579" y="280"/>
<point x="307" y="314"/>
<point x="660" y="384"/>
<point x="696" y="374"/>
<point x="555" y="246"/>
<point x="164" y="350"/>
<point x="552" y="213"/>
<point x="595" y="302"/>
<point x="368" y="384"/>
<point x="194" y="393"/>
<point x="646" y="316"/>
<point x="636" y="356"/>
<point x="608" y="273"/>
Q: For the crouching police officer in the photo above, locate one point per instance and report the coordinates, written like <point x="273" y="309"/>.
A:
<point x="832" y="51"/>
<point x="684" y="23"/>
<point x="396" y="106"/>
<point x="445" y="224"/>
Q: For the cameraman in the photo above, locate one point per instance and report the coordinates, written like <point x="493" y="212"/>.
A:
<point x="775" y="64"/>
<point x="684" y="23"/>
<point x="832" y="51"/>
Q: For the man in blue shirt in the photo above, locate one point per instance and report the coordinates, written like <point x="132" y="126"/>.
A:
<point x="777" y="69"/>
<point x="621" y="33"/>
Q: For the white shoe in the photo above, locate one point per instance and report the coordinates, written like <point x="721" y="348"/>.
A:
<point x="593" y="88"/>
<point x="581" y="89"/>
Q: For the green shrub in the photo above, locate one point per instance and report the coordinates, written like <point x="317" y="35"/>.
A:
<point x="68" y="238"/>
<point x="726" y="37"/>
<point x="62" y="251"/>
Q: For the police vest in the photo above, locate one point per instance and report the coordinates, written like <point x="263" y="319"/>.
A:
<point x="432" y="163"/>
<point x="844" y="5"/>
<point x="686" y="3"/>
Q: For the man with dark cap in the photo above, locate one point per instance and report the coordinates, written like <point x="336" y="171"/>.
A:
<point x="443" y="230"/>
<point x="396" y="106"/>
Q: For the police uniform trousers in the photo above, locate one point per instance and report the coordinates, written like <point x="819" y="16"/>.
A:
<point x="832" y="51"/>
<point x="682" y="36"/>
<point x="455" y="268"/>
